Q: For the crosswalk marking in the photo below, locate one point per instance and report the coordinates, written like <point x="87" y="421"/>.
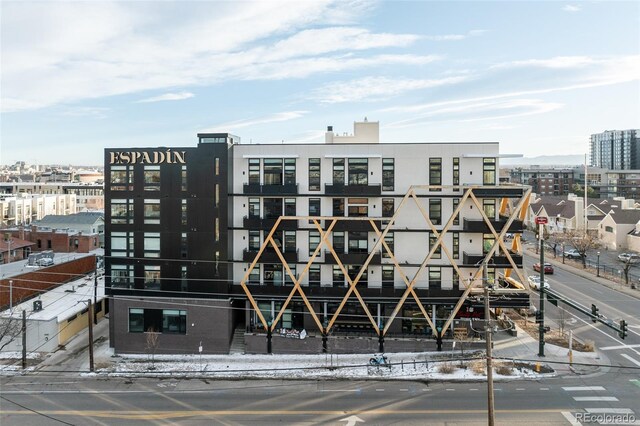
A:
<point x="595" y="398"/>
<point x="609" y="411"/>
<point x="567" y="415"/>
<point x="583" y="388"/>
<point x="635" y="361"/>
<point x="635" y="382"/>
<point x="611" y="348"/>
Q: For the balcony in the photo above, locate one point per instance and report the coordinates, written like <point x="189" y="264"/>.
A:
<point x="269" y="255"/>
<point x="498" y="191"/>
<point x="479" y="225"/>
<point x="354" y="225"/>
<point x="351" y="258"/>
<point x="374" y="190"/>
<point x="257" y="189"/>
<point x="495" y="261"/>
<point x="267" y="224"/>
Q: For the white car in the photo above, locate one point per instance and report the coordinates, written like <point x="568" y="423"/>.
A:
<point x="629" y="257"/>
<point x="534" y="282"/>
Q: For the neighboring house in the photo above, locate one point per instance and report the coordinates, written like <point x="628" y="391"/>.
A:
<point x="616" y="225"/>
<point x="561" y="213"/>
<point x="58" y="240"/>
<point x="14" y="249"/>
<point x="86" y="222"/>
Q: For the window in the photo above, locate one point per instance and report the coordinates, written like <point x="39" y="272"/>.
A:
<point x="254" y="275"/>
<point x="387" y="276"/>
<point x="456" y="203"/>
<point x="152" y="277"/>
<point x="338" y="171"/>
<point x="171" y="321"/>
<point x="288" y="282"/>
<point x="254" y="207"/>
<point x="314" y="276"/>
<point x="183" y="178"/>
<point x="217" y="166"/>
<point x="174" y="321"/>
<point x="314" y="207"/>
<point x="432" y="241"/>
<point x="354" y="270"/>
<point x="389" y="239"/>
<point x="358" y="242"/>
<point x="183" y="245"/>
<point x="435" y="277"/>
<point x="216" y="228"/>
<point x="216" y="195"/>
<point x="358" y="171"/>
<point x="273" y="172"/>
<point x="254" y="240"/>
<point x="314" y="241"/>
<point x="456" y="279"/>
<point x="487" y="242"/>
<point x="456" y="172"/>
<point x="122" y="276"/>
<point x="289" y="206"/>
<point x="435" y="211"/>
<point x="608" y="228"/>
<point x="456" y="245"/>
<point x="435" y="173"/>
<point x="183" y="212"/>
<point x="488" y="171"/>
<point x="338" y="276"/>
<point x="121" y="178"/>
<point x="358" y="207"/>
<point x="489" y="208"/>
<point x="290" y="241"/>
<point x="121" y="211"/>
<point x="121" y="244"/>
<point x="151" y="244"/>
<point x="254" y="171"/>
<point x="151" y="212"/>
<point x="338" y="242"/>
<point x="136" y="320"/>
<point x="388" y="174"/>
<point x="387" y="207"/>
<point x="272" y="208"/>
<point x="314" y="174"/>
<point x="151" y="178"/>
<point x="289" y="171"/>
<point x="338" y="206"/>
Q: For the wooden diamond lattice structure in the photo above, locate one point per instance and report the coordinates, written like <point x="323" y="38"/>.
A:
<point x="473" y="286"/>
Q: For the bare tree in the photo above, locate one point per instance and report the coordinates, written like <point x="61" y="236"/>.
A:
<point x="555" y="241"/>
<point x="10" y="329"/>
<point x="562" y="320"/>
<point x="626" y="267"/>
<point x="582" y="242"/>
<point x="152" y="344"/>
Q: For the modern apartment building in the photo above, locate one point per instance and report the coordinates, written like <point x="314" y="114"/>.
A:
<point x="615" y="149"/>
<point x="545" y="181"/>
<point x="88" y="196"/>
<point x="23" y="209"/>
<point x="191" y="250"/>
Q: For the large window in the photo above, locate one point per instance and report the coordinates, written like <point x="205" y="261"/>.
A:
<point x="136" y="320"/>
<point x="387" y="276"/>
<point x="183" y="178"/>
<point x="254" y="171"/>
<point x="254" y="208"/>
<point x="314" y="174"/>
<point x="358" y="207"/>
<point x="387" y="207"/>
<point x="151" y="212"/>
<point x="435" y="277"/>
<point x="254" y="240"/>
<point x="122" y="211"/>
<point x="151" y="244"/>
<point x="389" y="240"/>
<point x="289" y="171"/>
<point x="314" y="206"/>
<point x="254" y="275"/>
<point x="314" y="276"/>
<point x="183" y="212"/>
<point x="489" y="171"/>
<point x="272" y="208"/>
<point x="273" y="173"/>
<point x="489" y="207"/>
<point x="338" y="171"/>
<point x="435" y="172"/>
<point x="122" y="244"/>
<point x="455" y="245"/>
<point x="290" y="241"/>
<point x="358" y="242"/>
<point x="487" y="242"/>
<point x="432" y="241"/>
<point x="388" y="174"/>
<point x="456" y="172"/>
<point x="121" y="178"/>
<point x="338" y="206"/>
<point x="152" y="178"/>
<point x="358" y="171"/>
<point x="338" y="276"/>
<point x="168" y="321"/>
<point x="122" y="276"/>
<point x="152" y="277"/>
<point x="314" y="241"/>
<point x="435" y="211"/>
<point x="338" y="242"/>
<point x="174" y="321"/>
<point x="456" y="219"/>
<point x="289" y="206"/>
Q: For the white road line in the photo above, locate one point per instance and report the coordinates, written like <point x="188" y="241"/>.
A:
<point x="609" y="410"/>
<point x="567" y="415"/>
<point x="379" y="390"/>
<point x="595" y="398"/>
<point x="339" y="390"/>
<point x="611" y="348"/>
<point x="451" y="390"/>
<point x="583" y="388"/>
<point x="426" y="390"/>
<point x="519" y="389"/>
<point x="635" y="361"/>
<point x="544" y="388"/>
<point x="404" y="390"/>
<point x="473" y="390"/>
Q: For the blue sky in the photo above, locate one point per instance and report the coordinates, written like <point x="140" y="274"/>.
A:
<point x="539" y="77"/>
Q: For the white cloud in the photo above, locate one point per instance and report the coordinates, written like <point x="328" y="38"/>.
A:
<point x="571" y="8"/>
<point x="375" y="88"/>
<point x="231" y="126"/>
<point x="455" y="37"/>
<point x="168" y="97"/>
<point x="93" y="112"/>
<point x="557" y="62"/>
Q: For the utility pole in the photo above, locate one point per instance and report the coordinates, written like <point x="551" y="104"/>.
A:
<point x="95" y="293"/>
<point x="10" y="295"/>
<point x="541" y="320"/>
<point x="24" y="339"/>
<point x="488" y="331"/>
<point x="89" y="317"/>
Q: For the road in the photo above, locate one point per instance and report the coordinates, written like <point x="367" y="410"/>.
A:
<point x="90" y="401"/>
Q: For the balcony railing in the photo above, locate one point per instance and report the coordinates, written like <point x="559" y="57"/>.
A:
<point x="351" y="258"/>
<point x="258" y="189"/>
<point x="479" y="225"/>
<point x="498" y="191"/>
<point x="372" y="190"/>
<point x="354" y="225"/>
<point x="269" y="256"/>
<point x="494" y="261"/>
<point x="267" y="224"/>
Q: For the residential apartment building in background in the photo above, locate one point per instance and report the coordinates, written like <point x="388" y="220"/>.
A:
<point x="545" y="181"/>
<point x="183" y="227"/>
<point x="89" y="196"/>
<point x="615" y="149"/>
<point x="23" y="209"/>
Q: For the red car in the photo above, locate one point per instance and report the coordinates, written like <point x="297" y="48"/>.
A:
<point x="548" y="269"/>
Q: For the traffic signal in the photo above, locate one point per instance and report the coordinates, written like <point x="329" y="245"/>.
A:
<point x="623" y="329"/>
<point x="594" y="312"/>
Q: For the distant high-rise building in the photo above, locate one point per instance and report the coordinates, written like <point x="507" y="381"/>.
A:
<point x="615" y="149"/>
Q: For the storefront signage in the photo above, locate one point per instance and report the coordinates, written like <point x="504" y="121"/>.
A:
<point x="144" y="157"/>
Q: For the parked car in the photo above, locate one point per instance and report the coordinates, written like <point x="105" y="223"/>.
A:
<point x="534" y="282"/>
<point x="572" y="254"/>
<point x="629" y="257"/>
<point x="548" y="269"/>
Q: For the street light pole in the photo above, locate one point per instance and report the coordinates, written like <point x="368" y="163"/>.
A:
<point x="598" y="266"/>
<point x="488" y="331"/>
<point x="541" y="324"/>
